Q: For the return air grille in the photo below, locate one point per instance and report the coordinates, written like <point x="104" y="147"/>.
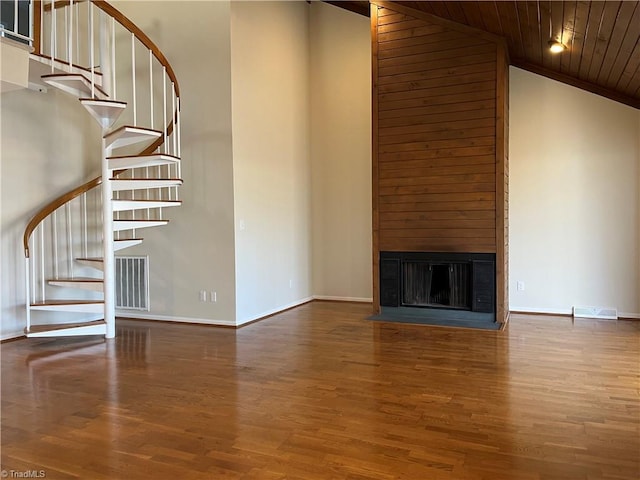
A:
<point x="132" y="283"/>
<point x="595" y="312"/>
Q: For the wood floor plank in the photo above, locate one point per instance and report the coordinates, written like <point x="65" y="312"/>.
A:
<point x="320" y="392"/>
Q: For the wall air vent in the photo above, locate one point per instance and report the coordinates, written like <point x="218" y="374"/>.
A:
<point x="608" y="313"/>
<point x="132" y="283"/>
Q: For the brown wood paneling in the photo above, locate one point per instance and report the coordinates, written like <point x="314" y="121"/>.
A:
<point x="502" y="150"/>
<point x="375" y="243"/>
<point x="437" y="185"/>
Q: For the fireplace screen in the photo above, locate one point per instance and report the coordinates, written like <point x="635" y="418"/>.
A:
<point x="436" y="284"/>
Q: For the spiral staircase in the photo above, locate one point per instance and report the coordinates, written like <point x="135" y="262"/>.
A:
<point x="91" y="51"/>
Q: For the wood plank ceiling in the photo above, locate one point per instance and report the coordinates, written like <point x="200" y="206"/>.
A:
<point x="602" y="38"/>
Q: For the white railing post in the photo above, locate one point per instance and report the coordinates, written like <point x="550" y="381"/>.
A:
<point x="70" y="38"/>
<point x="83" y="204"/>
<point x="151" y="86"/>
<point x="105" y="55"/>
<point x="15" y="16"/>
<point x="108" y="251"/>
<point x="27" y="293"/>
<point x="42" y="274"/>
<point x="31" y="22"/>
<point x="54" y="220"/>
<point x="164" y="109"/>
<point x="33" y="270"/>
<point x="69" y="239"/>
<point x="113" y="58"/>
<point x="179" y="124"/>
<point x="173" y="117"/>
<point x="92" y="54"/>
<point x="54" y="34"/>
<point x="133" y="78"/>
<point x="42" y="27"/>
<point x="66" y="29"/>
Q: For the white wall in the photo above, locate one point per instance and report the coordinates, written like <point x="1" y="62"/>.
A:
<point x="40" y="159"/>
<point x="196" y="250"/>
<point x="340" y="82"/>
<point x="269" y="45"/>
<point x="574" y="209"/>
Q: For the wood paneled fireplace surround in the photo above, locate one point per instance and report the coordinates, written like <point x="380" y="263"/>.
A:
<point x="440" y="166"/>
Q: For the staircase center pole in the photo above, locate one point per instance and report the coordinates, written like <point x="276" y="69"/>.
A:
<point x="107" y="235"/>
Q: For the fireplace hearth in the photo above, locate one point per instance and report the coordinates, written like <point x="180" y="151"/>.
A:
<point x="436" y="280"/>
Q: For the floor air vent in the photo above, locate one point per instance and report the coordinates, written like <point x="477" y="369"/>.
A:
<point x="595" y="312"/>
<point x="132" y="283"/>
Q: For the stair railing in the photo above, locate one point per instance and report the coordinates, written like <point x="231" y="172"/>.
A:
<point x="96" y="40"/>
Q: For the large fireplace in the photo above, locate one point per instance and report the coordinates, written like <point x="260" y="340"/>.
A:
<point x="454" y="281"/>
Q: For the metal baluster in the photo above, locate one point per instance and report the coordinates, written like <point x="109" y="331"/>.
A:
<point x="70" y="38"/>
<point x="133" y="77"/>
<point x="113" y="56"/>
<point x="92" y="51"/>
<point x="69" y="239"/>
<point x="78" y="33"/>
<point x="151" y="85"/>
<point x="66" y="29"/>
<point x="27" y="292"/>
<point x="85" y="233"/>
<point x="54" y="243"/>
<point x="173" y="116"/>
<point x="42" y="276"/>
<point x="15" y="16"/>
<point x="54" y="35"/>
<point x="33" y="270"/>
<point x="164" y="108"/>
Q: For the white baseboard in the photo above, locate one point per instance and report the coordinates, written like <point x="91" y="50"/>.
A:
<point x="546" y="311"/>
<point x="11" y="335"/>
<point x="208" y="321"/>
<point x="562" y="311"/>
<point x="343" y="299"/>
<point x="267" y="313"/>
<point x="171" y="318"/>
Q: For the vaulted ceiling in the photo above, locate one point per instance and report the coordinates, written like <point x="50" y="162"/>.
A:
<point x="602" y="38"/>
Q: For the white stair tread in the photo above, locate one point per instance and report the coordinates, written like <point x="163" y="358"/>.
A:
<point x="40" y="65"/>
<point x="94" y="284"/>
<point x="125" y="205"/>
<point x="96" y="327"/>
<point x="82" y="306"/>
<point x="130" y="135"/>
<point x="75" y="84"/>
<point x="94" y="262"/>
<point x="136" y="161"/>
<point x="120" y="225"/>
<point x="143" y="183"/>
<point x="126" y="243"/>
<point x="104" y="111"/>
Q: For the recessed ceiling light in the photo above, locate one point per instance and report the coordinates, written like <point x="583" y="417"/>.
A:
<point x="556" y="47"/>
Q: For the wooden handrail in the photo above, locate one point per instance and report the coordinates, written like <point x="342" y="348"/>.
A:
<point x="53" y="206"/>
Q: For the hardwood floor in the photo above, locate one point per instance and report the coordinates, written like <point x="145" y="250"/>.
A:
<point x="319" y="392"/>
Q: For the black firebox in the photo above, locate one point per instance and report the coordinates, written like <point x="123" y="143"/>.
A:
<point x="457" y="281"/>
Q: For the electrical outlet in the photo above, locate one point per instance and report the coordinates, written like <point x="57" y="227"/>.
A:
<point x="520" y="286"/>
<point x="213" y="296"/>
<point x="290" y="283"/>
<point x="203" y="295"/>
